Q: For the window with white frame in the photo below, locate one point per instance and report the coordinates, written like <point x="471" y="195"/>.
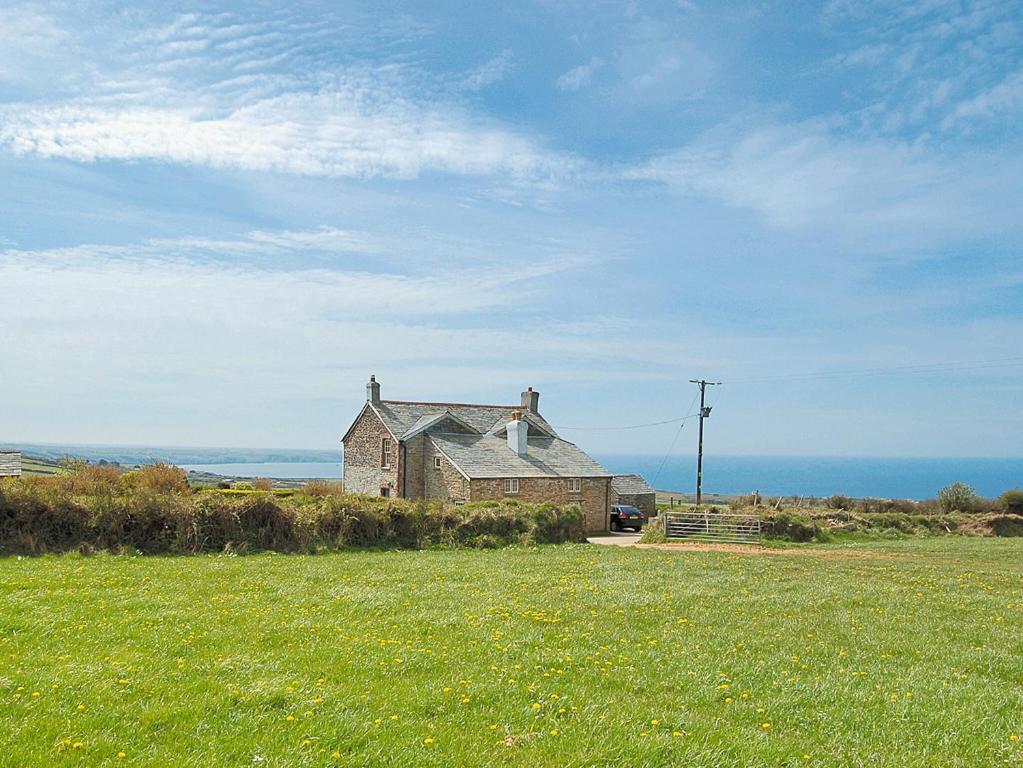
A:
<point x="385" y="452"/>
<point x="436" y="462"/>
<point x="511" y="485"/>
<point x="575" y="485"/>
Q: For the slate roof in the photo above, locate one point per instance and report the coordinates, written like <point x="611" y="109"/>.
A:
<point x="630" y="485"/>
<point x="402" y="417"/>
<point x="483" y="456"/>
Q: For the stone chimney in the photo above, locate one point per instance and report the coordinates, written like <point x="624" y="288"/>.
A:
<point x="373" y="391"/>
<point x="531" y="400"/>
<point x="518" y="431"/>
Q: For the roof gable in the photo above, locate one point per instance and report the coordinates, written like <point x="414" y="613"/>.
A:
<point x="439" y="422"/>
<point x="401" y="417"/>
<point x="368" y="406"/>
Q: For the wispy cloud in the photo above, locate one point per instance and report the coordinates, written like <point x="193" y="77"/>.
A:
<point x="581" y="76"/>
<point x="211" y="91"/>
<point x="858" y="189"/>
<point x="350" y="129"/>
<point x="489" y="72"/>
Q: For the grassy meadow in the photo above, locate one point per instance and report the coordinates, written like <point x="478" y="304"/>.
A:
<point x="893" y="653"/>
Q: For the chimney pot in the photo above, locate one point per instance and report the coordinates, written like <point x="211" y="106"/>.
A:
<point x="373" y="390"/>
<point x="531" y="400"/>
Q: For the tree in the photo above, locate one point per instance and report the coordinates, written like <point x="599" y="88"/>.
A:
<point x="958" y="497"/>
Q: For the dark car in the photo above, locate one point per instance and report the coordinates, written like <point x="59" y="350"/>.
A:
<point x="624" y="516"/>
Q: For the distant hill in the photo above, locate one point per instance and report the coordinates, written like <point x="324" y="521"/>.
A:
<point x="150" y="454"/>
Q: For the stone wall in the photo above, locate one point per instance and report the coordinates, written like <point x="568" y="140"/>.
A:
<point x="414" y="467"/>
<point x="361" y="472"/>
<point x="446" y="483"/>
<point x="645" y="502"/>
<point x="594" y="497"/>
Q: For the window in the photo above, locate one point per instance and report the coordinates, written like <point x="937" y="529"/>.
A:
<point x="575" y="485"/>
<point x="436" y="462"/>
<point x="385" y="453"/>
<point x="385" y="491"/>
<point x="511" y="485"/>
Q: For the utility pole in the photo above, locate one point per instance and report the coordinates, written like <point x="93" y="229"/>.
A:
<point x="704" y="413"/>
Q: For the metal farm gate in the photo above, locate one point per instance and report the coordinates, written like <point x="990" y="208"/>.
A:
<point x="721" y="527"/>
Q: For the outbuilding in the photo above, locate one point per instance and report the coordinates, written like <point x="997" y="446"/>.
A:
<point x="10" y="463"/>
<point x="634" y="491"/>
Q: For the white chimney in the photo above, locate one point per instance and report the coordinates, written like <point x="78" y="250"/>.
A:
<point x="518" y="431"/>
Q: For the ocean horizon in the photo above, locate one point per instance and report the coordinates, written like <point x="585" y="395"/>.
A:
<point x="859" y="476"/>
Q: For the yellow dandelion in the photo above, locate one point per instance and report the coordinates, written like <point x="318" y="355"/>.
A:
<point x="766" y="726"/>
<point x="77" y="745"/>
<point x="676" y="734"/>
<point x="428" y="740"/>
<point x="289" y="718"/>
<point x="536" y="706"/>
<point x="120" y="755"/>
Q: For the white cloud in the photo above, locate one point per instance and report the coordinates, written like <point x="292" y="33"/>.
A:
<point x="490" y="72"/>
<point x="208" y="90"/>
<point x="1006" y="96"/>
<point x="349" y="129"/>
<point x="581" y="76"/>
<point x="804" y="177"/>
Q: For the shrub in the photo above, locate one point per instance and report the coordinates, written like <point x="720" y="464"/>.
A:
<point x="1012" y="501"/>
<point x="321" y="488"/>
<point x="958" y="497"/>
<point x="158" y="477"/>
<point x="785" y="525"/>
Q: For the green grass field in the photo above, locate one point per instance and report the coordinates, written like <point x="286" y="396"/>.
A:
<point x="900" y="653"/>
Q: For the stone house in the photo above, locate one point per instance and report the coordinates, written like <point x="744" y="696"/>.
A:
<point x="634" y="491"/>
<point x="461" y="452"/>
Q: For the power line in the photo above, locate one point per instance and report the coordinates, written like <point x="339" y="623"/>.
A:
<point x="634" y="426"/>
<point x="673" y="441"/>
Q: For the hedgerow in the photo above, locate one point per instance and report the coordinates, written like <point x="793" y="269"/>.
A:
<point x="151" y="512"/>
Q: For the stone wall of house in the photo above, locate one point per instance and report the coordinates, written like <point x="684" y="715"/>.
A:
<point x="362" y="471"/>
<point x="593" y="499"/>
<point x="414" y="467"/>
<point x="445" y="483"/>
<point x="645" y="502"/>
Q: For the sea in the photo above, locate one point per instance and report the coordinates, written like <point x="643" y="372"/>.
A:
<point x="857" y="476"/>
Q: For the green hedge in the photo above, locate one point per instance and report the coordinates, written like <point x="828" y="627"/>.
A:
<point x="57" y="514"/>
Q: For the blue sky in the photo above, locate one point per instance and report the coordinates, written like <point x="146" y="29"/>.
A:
<point x="217" y="220"/>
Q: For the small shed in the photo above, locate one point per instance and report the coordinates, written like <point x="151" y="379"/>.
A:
<point x="635" y="491"/>
<point x="10" y="463"/>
